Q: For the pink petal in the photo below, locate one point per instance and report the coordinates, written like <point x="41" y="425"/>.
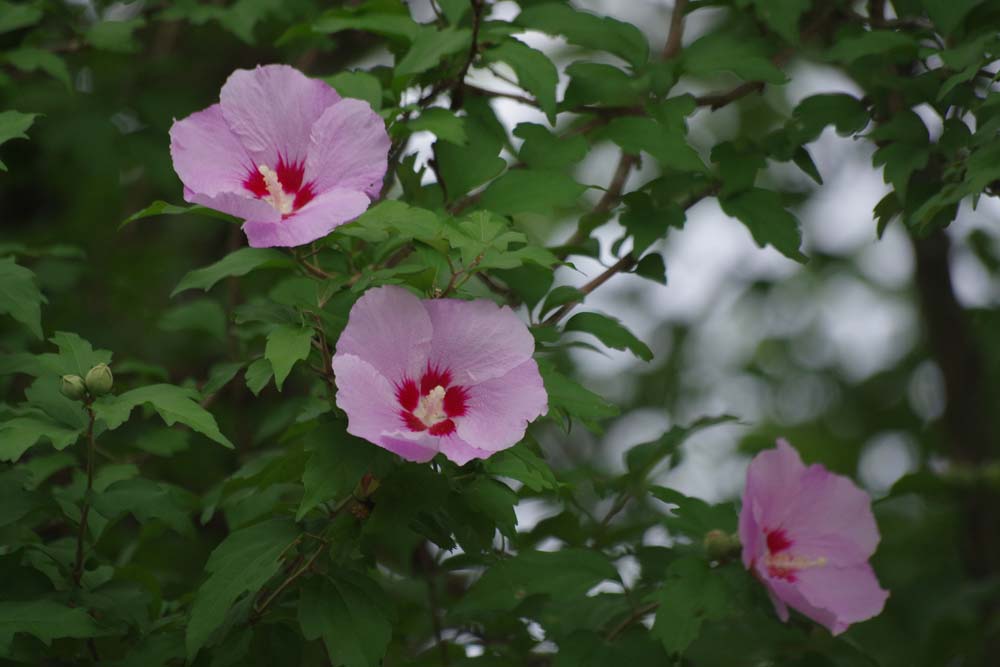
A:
<point x="389" y="328"/>
<point x="207" y="156"/>
<point x="272" y="110"/>
<point x="772" y="486"/>
<point x="750" y="533"/>
<point x="499" y="410"/>
<point x="236" y="204"/>
<point x="460" y="451"/>
<point x="477" y="340"/>
<point x="784" y="594"/>
<point x="850" y="594"/>
<point x="348" y="149"/>
<point x="313" y="221"/>
<point x="372" y="413"/>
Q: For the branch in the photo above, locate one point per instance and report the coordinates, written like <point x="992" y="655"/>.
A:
<point x="85" y="512"/>
<point x="676" y="35"/>
<point x="458" y="91"/>
<point x="608" y="200"/>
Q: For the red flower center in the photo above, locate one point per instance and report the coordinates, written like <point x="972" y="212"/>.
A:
<point x="432" y="404"/>
<point x="781" y="563"/>
<point x="280" y="187"/>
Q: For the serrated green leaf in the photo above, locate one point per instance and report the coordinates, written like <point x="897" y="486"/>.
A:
<point x="351" y="614"/>
<point x="588" y="30"/>
<point x="667" y="144"/>
<point x="19" y="295"/>
<point x="285" y="346"/>
<point x="242" y="563"/>
<point x="44" y="619"/>
<point x="544" y="150"/>
<point x="430" y="47"/>
<point x="442" y="123"/>
<point x="235" y="264"/>
<point x="522" y="464"/>
<point x="567" y="394"/>
<point x="611" y="332"/>
<point x="694" y="517"/>
<point x="76" y="356"/>
<point x="533" y="69"/>
<point x="14" y="125"/>
<point x="764" y="214"/>
<point x="647" y="221"/>
<point x="28" y="59"/>
<point x="18" y="434"/>
<point x="173" y="404"/>
<point x="388" y="25"/>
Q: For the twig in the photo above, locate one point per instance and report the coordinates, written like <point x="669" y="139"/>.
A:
<point x="259" y="611"/>
<point x="85" y="512"/>
<point x="676" y="35"/>
<point x="719" y="100"/>
<point x="458" y="90"/>
<point x="608" y="200"/>
<point x="636" y="615"/>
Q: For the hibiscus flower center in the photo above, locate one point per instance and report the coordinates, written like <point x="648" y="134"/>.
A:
<point x="433" y="404"/>
<point x="781" y="562"/>
<point x="281" y="187"/>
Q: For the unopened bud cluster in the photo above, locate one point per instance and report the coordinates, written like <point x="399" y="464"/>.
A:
<point x="97" y="383"/>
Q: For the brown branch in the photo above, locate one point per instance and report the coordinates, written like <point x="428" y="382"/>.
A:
<point x="259" y="611"/>
<point x="608" y="200"/>
<point x="719" y="100"/>
<point x="676" y="35"/>
<point x="458" y="91"/>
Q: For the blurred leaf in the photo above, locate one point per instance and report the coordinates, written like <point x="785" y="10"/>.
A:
<point x="173" y="404"/>
<point x="14" y="125"/>
<point x="285" y="346"/>
<point x="900" y="45"/>
<point x="29" y="59"/>
<point x="352" y="616"/>
<point x="692" y="593"/>
<point x="160" y="207"/>
<point x="235" y="264"/>
<point x="602" y="85"/>
<point x="14" y="16"/>
<point x="146" y="500"/>
<point x="543" y="150"/>
<point x="524" y="190"/>
<point x="668" y="145"/>
<point x="535" y="72"/>
<point x="648" y="221"/>
<point x="694" y="517"/>
<point x="430" y="47"/>
<point x="611" y="332"/>
<point x="642" y="458"/>
<point x="588" y="30"/>
<point x="201" y="315"/>
<point x="44" y="619"/>
<point x="522" y="464"/>
<point x="358" y="85"/>
<point x="19" y="295"/>
<point x="389" y="25"/>
<point x="258" y="374"/>
<point x="18" y="434"/>
<point x="442" y="123"/>
<point x="567" y="395"/>
<point x="745" y="55"/>
<point x="242" y="563"/>
<point x="764" y="214"/>
<point x="115" y="36"/>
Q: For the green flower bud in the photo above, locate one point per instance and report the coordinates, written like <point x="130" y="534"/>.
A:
<point x="73" y="387"/>
<point x="720" y="544"/>
<point x="99" y="380"/>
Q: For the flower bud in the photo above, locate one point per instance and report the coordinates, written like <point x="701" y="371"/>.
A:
<point x="73" y="387"/>
<point x="720" y="544"/>
<point x="99" y="380"/>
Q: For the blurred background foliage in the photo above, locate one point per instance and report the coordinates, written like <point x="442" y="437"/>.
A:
<point x="878" y="357"/>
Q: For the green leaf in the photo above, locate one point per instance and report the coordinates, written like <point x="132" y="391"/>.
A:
<point x="337" y="463"/>
<point x="351" y="614"/>
<point x="18" y="434"/>
<point x="544" y="150"/>
<point x="160" y="207"/>
<point x="358" y="85"/>
<point x="691" y="594"/>
<point x="898" y="45"/>
<point x="745" y="55"/>
<point x="642" y="458"/>
<point x="76" y="356"/>
<point x="14" y="125"/>
<point x="814" y="113"/>
<point x="44" y="619"/>
<point x="525" y="190"/>
<point x="29" y="59"/>
<point x="738" y="166"/>
<point x="235" y="264"/>
<point x="146" y="500"/>
<point x="242" y="563"/>
<point x="19" y="295"/>
<point x="466" y="167"/>
<point x="173" y="404"/>
<point x="14" y="16"/>
<point x="603" y="85"/>
<point x="764" y="214"/>
<point x="563" y="575"/>
<point x="647" y="221"/>
<point x="567" y="395"/>
<point x="652" y="267"/>
<point x="694" y="517"/>
<point x="388" y="25"/>
<point x="611" y="332"/>
<point x="533" y="69"/>
<point x="201" y="315"/>
<point x="115" y="36"/>
<point x="667" y="144"/>
<point x="258" y="374"/>
<point x="522" y="464"/>
<point x="783" y="16"/>
<point x="588" y="30"/>
<point x="442" y="123"/>
<point x="285" y="346"/>
<point x="430" y="47"/>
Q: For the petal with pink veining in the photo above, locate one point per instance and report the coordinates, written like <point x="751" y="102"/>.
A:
<point x="207" y="156"/>
<point x="313" y="221"/>
<point x="390" y="329"/>
<point x="272" y="110"/>
<point x="348" y="148"/>
<point x="236" y="204"/>
<point x="500" y="409"/>
<point x="477" y="340"/>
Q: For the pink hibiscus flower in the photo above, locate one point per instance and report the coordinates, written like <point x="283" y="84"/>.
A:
<point x="807" y="535"/>
<point x="283" y="152"/>
<point x="419" y="377"/>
